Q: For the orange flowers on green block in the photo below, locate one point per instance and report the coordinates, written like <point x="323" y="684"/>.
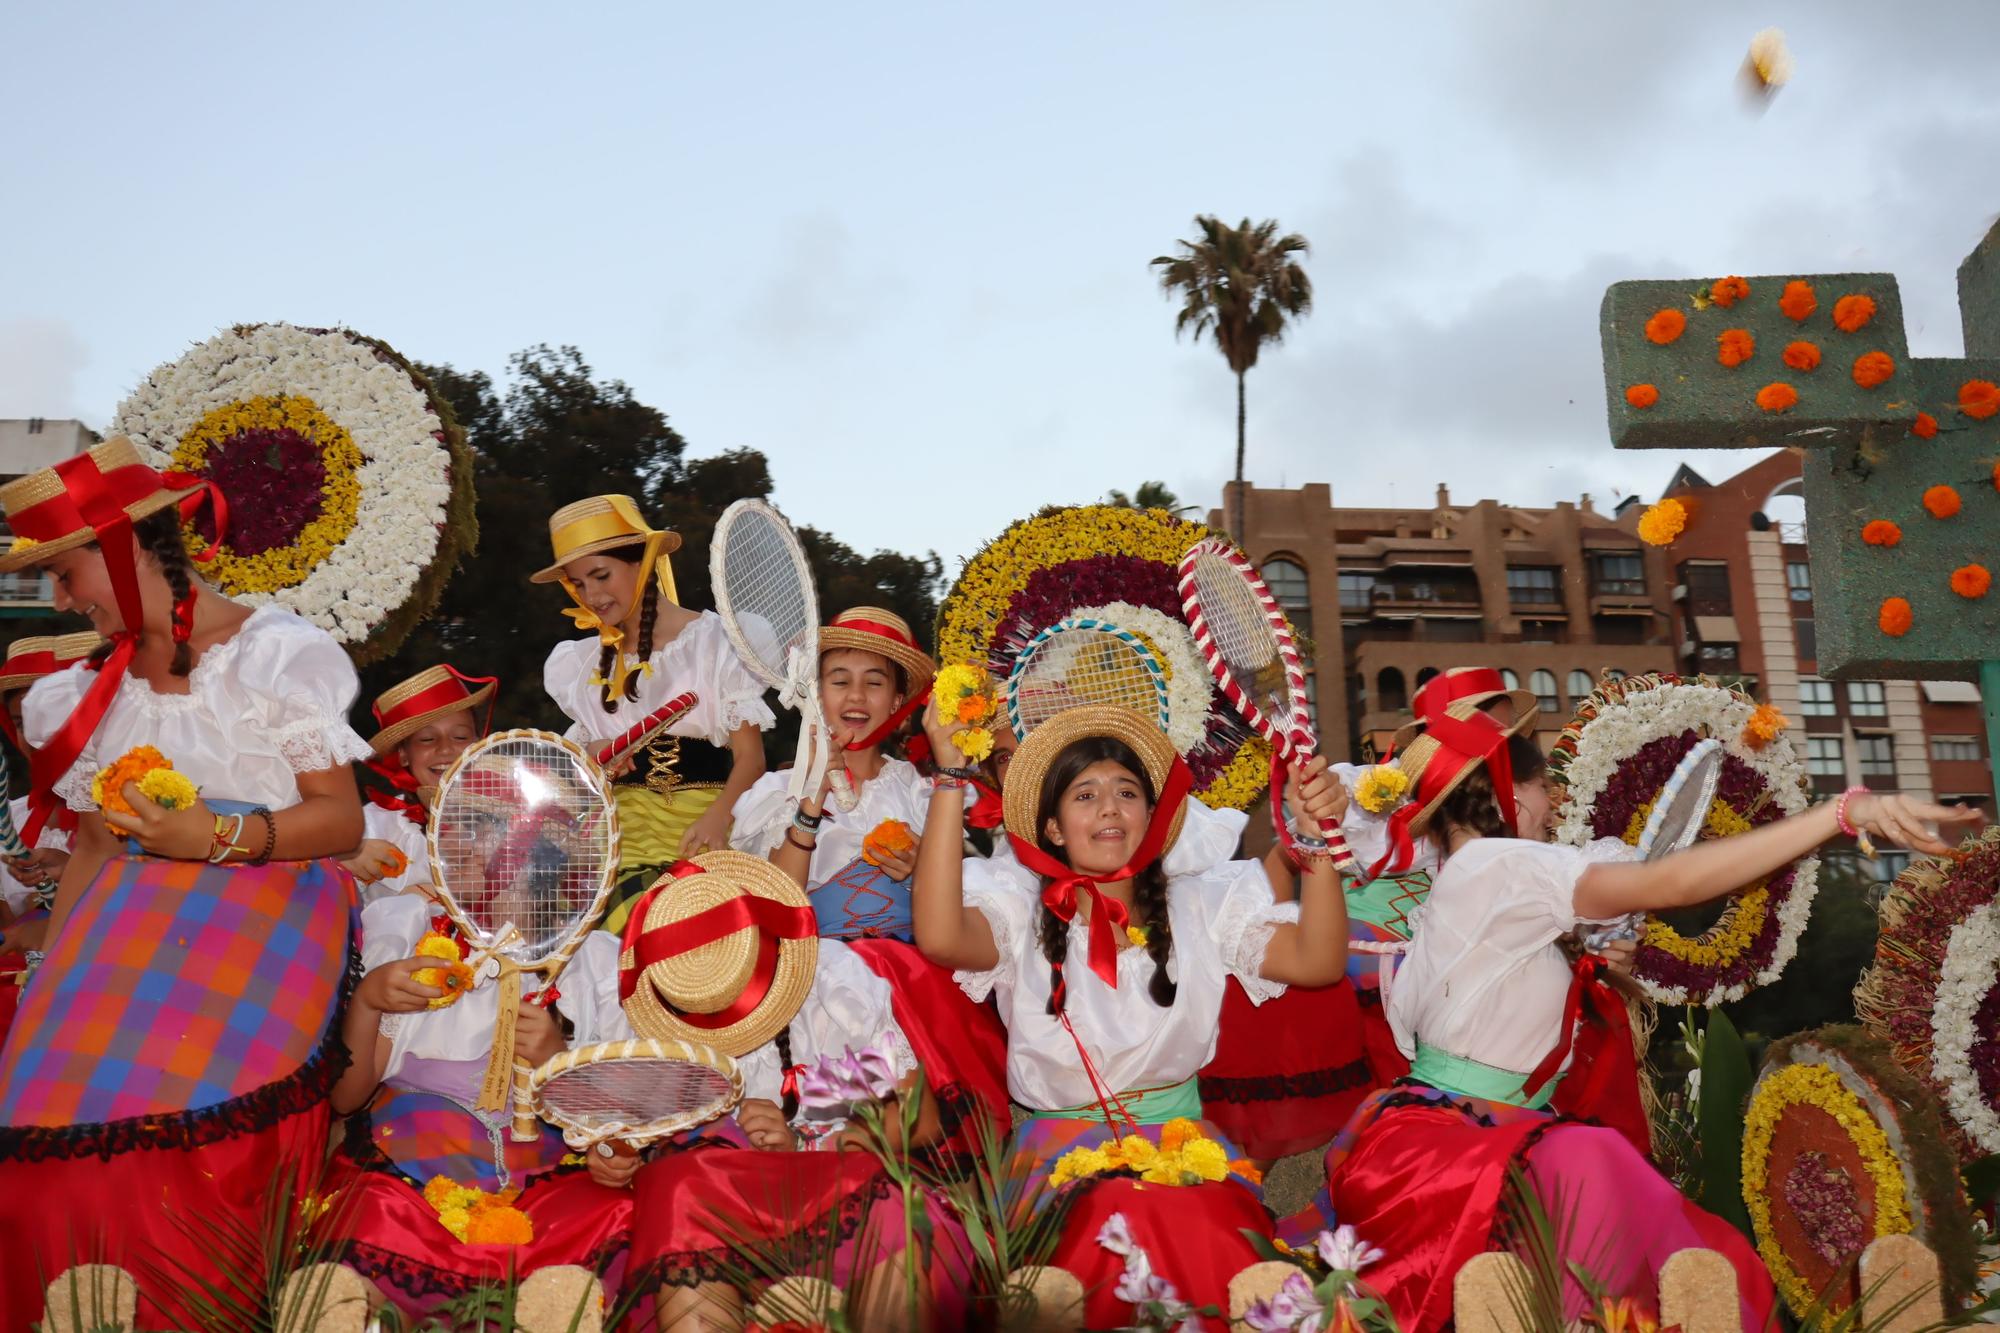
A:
<point x="1665" y="326"/>
<point x="1735" y="346"/>
<point x="1779" y="397"/>
<point x="1726" y="292"/>
<point x="1881" y="532"/>
<point x="1942" y="501"/>
<point x="1642" y="396"/>
<point x="1802" y="355"/>
<point x="1873" y="369"/>
<point x="1852" y="313"/>
<point x="1798" y="301"/>
<point x="1894" y="619"/>
<point x="1971" y="580"/>
<point x="1979" y="399"/>
<point x="1924" y="427"/>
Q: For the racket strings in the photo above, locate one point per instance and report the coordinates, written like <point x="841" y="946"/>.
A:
<point x="1241" y="630"/>
<point x="635" y="1092"/>
<point x="768" y="595"/>
<point x="1075" y="667"/>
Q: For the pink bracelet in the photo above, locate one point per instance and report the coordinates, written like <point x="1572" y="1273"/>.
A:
<point x="1840" y="811"/>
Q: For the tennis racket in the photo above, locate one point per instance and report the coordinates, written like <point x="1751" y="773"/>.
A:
<point x="634" y="1092"/>
<point x="1679" y="812"/>
<point x="616" y="751"/>
<point x="524" y="849"/>
<point x="1081" y="661"/>
<point x="765" y="595"/>
<point x="11" y="843"/>
<point x="1247" y="643"/>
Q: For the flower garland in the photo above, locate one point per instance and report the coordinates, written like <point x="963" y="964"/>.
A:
<point x="1608" y="767"/>
<point x="1183" y="1156"/>
<point x="154" y="775"/>
<point x="476" y="1217"/>
<point x="1110" y="558"/>
<point x="348" y="482"/>
<point x="1962" y="1025"/>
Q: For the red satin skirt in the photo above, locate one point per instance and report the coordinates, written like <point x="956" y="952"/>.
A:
<point x="1192" y="1234"/>
<point x="1288" y="1073"/>
<point x="10" y="990"/>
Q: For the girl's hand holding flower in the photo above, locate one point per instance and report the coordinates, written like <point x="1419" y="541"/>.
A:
<point x="376" y="861"/>
<point x="944" y="749"/>
<point x="1315" y="797"/>
<point x="184" y="834"/>
<point x="393" y="988"/>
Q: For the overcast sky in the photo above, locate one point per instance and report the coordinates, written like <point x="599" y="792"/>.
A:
<point x="902" y="248"/>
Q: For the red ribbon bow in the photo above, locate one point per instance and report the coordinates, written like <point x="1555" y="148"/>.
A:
<point x="1066" y="887"/>
<point x="397" y="774"/>
<point x="1462" y="740"/>
<point x="745" y="911"/>
<point x="1594" y="999"/>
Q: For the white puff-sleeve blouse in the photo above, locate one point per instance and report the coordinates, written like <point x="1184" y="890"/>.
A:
<point x="764" y="812"/>
<point x="699" y="658"/>
<point x="1367" y="833"/>
<point x="849" y="1007"/>
<point x="406" y="836"/>
<point x="1222" y="918"/>
<point x="262" y="707"/>
<point x="1485" y="978"/>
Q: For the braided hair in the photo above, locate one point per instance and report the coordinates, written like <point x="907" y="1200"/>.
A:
<point x="791" y="1099"/>
<point x="1149" y="886"/>
<point x="158" y="535"/>
<point x="1474" y="804"/>
<point x="649" y="610"/>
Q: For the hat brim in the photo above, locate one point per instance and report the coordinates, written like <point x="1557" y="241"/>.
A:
<point x="554" y="573"/>
<point x="792" y="975"/>
<point x="1524" y="704"/>
<point x="916" y="664"/>
<point x="1523" y="724"/>
<point x="145" y="507"/>
<point x="1022" y="791"/>
<point x="396" y="733"/>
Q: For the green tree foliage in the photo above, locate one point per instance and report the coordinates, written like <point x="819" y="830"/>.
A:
<point x="1150" y="495"/>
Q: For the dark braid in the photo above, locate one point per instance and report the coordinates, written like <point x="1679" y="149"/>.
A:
<point x="1055" y="948"/>
<point x="791" y="1099"/>
<point x="1149" y="906"/>
<point x="649" y="609"/>
<point x="159" y="536"/>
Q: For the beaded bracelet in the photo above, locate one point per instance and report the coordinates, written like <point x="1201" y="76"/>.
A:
<point x="963" y="774"/>
<point x="270" y="835"/>
<point x="1848" y="826"/>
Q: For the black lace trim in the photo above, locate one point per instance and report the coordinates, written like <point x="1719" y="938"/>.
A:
<point x="414" y="1277"/>
<point x="795" y="1251"/>
<point x="1368" y="997"/>
<point x="309" y="1086"/>
<point x="1285" y="1087"/>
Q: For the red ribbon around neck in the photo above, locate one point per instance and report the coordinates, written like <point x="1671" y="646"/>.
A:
<point x="987" y="810"/>
<point x="1066" y="887"/>
<point x="398" y="775"/>
<point x="774" y="920"/>
<point x="1593" y="999"/>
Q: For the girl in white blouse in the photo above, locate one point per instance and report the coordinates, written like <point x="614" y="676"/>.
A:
<point x="1110" y="974"/>
<point x="644" y="650"/>
<point x="1478" y="1006"/>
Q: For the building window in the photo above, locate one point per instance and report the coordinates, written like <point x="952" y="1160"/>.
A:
<point x="1808" y="640"/>
<point x="1541" y="631"/>
<point x="1620" y="575"/>
<point x="1878" y="756"/>
<point x="1391" y="696"/>
<point x="1543" y="683"/>
<point x="1509" y="679"/>
<point x="1816" y="698"/>
<point x="1357" y="591"/>
<point x="1867" y="698"/>
<point x="1532" y="586"/>
<point x="1717" y="658"/>
<point x="1580" y="685"/>
<point x="1823" y="757"/>
<point x="1287" y="582"/>
<point x="1798" y="578"/>
<point x="1951" y="749"/>
<point x="1707" y="588"/>
<point x="1424" y="676"/>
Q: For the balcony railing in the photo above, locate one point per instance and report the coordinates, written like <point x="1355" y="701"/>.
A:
<point x="1618" y="588"/>
<point x="25" y="589"/>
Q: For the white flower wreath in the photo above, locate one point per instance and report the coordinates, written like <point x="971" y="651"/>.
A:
<point x="1971" y="968"/>
<point x="1626" y="724"/>
<point x="404" y="476"/>
<point x="1190" y="689"/>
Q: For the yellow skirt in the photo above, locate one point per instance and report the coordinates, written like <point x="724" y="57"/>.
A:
<point x="651" y="826"/>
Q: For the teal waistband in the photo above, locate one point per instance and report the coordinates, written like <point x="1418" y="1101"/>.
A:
<point x="1469" y="1078"/>
<point x="1148" y="1106"/>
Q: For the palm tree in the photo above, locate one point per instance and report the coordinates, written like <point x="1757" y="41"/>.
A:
<point x="1150" y="495"/>
<point x="1239" y="285"/>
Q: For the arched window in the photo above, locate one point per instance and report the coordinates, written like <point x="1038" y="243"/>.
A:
<point x="1424" y="676"/>
<point x="1391" y="696"/>
<point x="1543" y="683"/>
<point x="1509" y="679"/>
<point x="1287" y="582"/>
<point x="1580" y="686"/>
<point x="1613" y="673"/>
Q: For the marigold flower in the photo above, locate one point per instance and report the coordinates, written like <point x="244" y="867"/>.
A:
<point x="1798" y="300"/>
<point x="1881" y="532"/>
<point x="1872" y="369"/>
<point x="108" y="787"/>
<point x="1726" y="292"/>
<point x="499" y="1224"/>
<point x="1851" y="313"/>
<point x="1895" y="617"/>
<point x="1924" y="427"/>
<point x="1802" y="355"/>
<point x="1734" y="346"/>
<point x="1663" y="522"/>
<point x="396" y="864"/>
<point x="1642" y="396"/>
<point x="889" y="838"/>
<point x="1971" y="580"/>
<point x="1138" y="936"/>
<point x="1665" y="326"/>
<point x="1979" y="399"/>
<point x="1381" y="787"/>
<point x="1779" y="397"/>
<point x="1764" y="726"/>
<point x="1941" y="501"/>
<point x="163" y="786"/>
<point x="1175" y="1134"/>
<point x="972" y="708"/>
<point x="975" y="743"/>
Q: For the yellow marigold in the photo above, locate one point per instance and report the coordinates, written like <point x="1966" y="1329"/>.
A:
<point x="442" y="1192"/>
<point x="437" y="945"/>
<point x="452" y="976"/>
<point x="1663" y="522"/>
<point x="975" y="743"/>
<point x="456" y="1220"/>
<point x="107" y="789"/>
<point x="1764" y="726"/>
<point x="1138" y="936"/>
<point x="1381" y="787"/>
<point x="1205" y="1158"/>
<point x="1137" y="1151"/>
<point x="1078" y="1163"/>
<point x="163" y="786"/>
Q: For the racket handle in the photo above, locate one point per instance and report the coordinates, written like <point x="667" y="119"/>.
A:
<point x="527" y="1127"/>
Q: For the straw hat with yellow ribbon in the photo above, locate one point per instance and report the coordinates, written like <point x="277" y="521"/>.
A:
<point x="721" y="951"/>
<point x="28" y="660"/>
<point x="1450" y="749"/>
<point x="609" y="523"/>
<point x="409" y="706"/>
<point x="1482" y="685"/>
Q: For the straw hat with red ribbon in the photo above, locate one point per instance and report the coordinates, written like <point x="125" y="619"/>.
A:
<point x="28" y="660"/>
<point x="406" y="708"/>
<point x="97" y="496"/>
<point x="721" y="951"/>
<point x="1482" y="685"/>
<point x="1451" y="747"/>
<point x="609" y="523"/>
<point x="1064" y="887"/>
<point x="870" y="629"/>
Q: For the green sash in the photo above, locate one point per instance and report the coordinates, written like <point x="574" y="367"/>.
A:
<point x="1469" y="1078"/>
<point x="1147" y="1106"/>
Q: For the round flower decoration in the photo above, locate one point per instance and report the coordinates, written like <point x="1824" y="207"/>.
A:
<point x="1840" y="1147"/>
<point x="1895" y="617"/>
<point x="1802" y="355"/>
<point x="1941" y="501"/>
<point x="1979" y="399"/>
<point x="1971" y="580"/>
<point x="1665" y="326"/>
<point x="1933" y="992"/>
<point x="1726" y="292"/>
<point x="1852" y="313"/>
<point x="1735" y="346"/>
<point x="1779" y="397"/>
<point x="1103" y="560"/>
<point x="1873" y="369"/>
<point x="1881" y="532"/>
<point x="349" y="484"/>
<point x="1607" y="768"/>
<point x="1924" y="427"/>
<point x="1642" y="396"/>
<point x="1797" y="301"/>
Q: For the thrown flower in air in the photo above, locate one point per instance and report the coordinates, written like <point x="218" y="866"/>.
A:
<point x="1768" y="66"/>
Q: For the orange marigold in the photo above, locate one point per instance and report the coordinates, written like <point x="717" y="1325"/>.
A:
<point x="499" y="1224"/>
<point x="1777" y="397"/>
<point x="1735" y="346"/>
<point x="889" y="838"/>
<point x="1665" y="326"/>
<point x="1798" y="300"/>
<point x="1924" y="427"/>
<point x="1894" y="618"/>
<point x="1642" y="395"/>
<point x="1663" y="522"/>
<point x="1942" y="501"/>
<point x="1971" y="580"/>
<point x="1881" y="532"/>
<point x="1763" y="727"/>
<point x="1872" y="369"/>
<point x="1979" y="399"/>
<point x="1802" y="355"/>
<point x="1726" y="292"/>
<point x="1851" y="313"/>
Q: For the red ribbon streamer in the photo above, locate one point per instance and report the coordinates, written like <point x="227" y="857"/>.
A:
<point x="397" y="774"/>
<point x="1462" y="740"/>
<point x="1593" y="999"/>
<point x="52" y="761"/>
<point x="896" y="719"/>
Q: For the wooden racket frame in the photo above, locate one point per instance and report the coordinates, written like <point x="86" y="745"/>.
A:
<point x="1034" y="646"/>
<point x="640" y="1048"/>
